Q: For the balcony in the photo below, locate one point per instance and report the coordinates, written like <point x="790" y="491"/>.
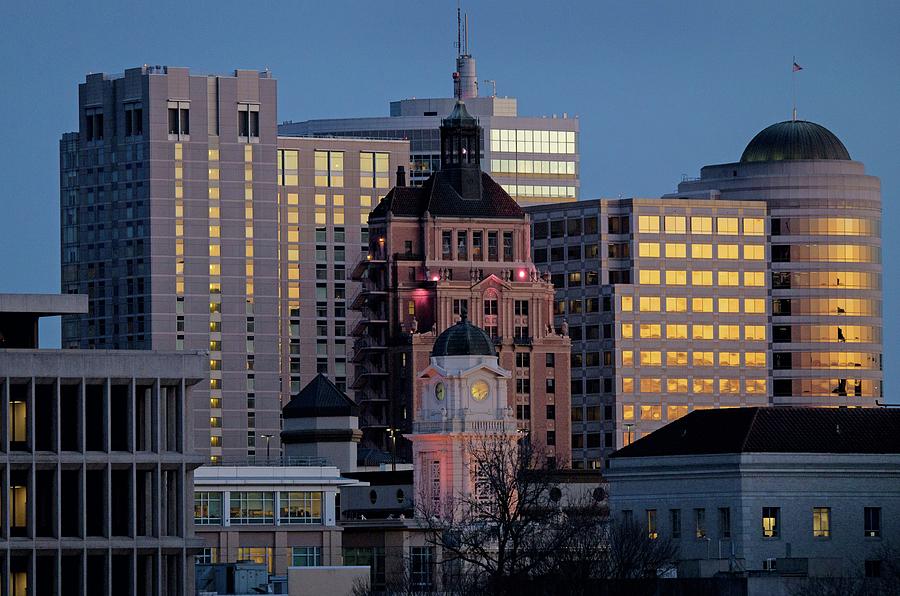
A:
<point x="367" y="376"/>
<point x="365" y="348"/>
<point x="408" y="256"/>
<point x="370" y="259"/>
<point x="369" y="318"/>
<point x="523" y="341"/>
<point x="366" y="295"/>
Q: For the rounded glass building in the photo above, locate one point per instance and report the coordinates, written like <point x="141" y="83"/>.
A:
<point x="825" y="260"/>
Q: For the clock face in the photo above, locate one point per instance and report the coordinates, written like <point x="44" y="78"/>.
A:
<point x="480" y="391"/>
<point x="439" y="392"/>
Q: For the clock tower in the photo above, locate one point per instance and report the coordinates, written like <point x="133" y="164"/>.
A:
<point x="461" y="401"/>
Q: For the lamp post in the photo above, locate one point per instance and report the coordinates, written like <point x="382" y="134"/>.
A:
<point x="267" y="438"/>
<point x="629" y="433"/>
<point x="393" y="434"/>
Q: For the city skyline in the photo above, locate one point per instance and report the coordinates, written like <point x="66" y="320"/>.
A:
<point x="719" y="88"/>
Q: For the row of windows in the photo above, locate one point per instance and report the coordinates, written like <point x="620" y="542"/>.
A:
<point x="825" y="253"/>
<point x="698" y="358"/>
<point x="828" y="387"/>
<point x="679" y="304"/>
<point x="678" y="250"/>
<point x="825" y="226"/>
<point x="826" y="334"/>
<point x="697" y="385"/>
<point x="532" y="141"/>
<point x="700" y="224"/>
<point x="653" y="277"/>
<point x="782" y="280"/>
<point x="301" y="507"/>
<point x="698" y="331"/>
<point x="559" y="227"/>
<point x="538" y="190"/>
<point x="532" y="166"/>
<point x="770" y="522"/>
<point x="823" y="360"/>
<point x="477" y="246"/>
<point x="852" y="307"/>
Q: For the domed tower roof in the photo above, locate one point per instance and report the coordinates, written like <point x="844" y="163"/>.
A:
<point x="794" y="139"/>
<point x="463" y="339"/>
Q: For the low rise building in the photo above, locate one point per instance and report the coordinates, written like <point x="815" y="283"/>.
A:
<point x="96" y="462"/>
<point x="797" y="491"/>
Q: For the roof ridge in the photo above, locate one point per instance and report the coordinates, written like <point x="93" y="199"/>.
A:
<point x="749" y="430"/>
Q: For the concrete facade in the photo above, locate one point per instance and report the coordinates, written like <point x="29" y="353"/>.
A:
<point x="170" y="226"/>
<point x="666" y="304"/>
<point x="96" y="462"/>
<point x="323" y="228"/>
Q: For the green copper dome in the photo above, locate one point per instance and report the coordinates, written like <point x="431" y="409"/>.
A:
<point x="794" y="139"/>
<point x="463" y="339"/>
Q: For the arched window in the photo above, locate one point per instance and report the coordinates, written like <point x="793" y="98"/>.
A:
<point x="491" y="314"/>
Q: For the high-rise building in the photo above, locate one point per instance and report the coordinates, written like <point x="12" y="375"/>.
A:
<point x="170" y="226"/>
<point x="326" y="189"/>
<point x="459" y="244"/>
<point x="534" y="159"/>
<point x="666" y="304"/>
<point x="826" y="260"/>
<point x="96" y="462"/>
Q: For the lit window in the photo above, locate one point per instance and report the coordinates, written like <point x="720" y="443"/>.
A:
<point x="729" y="332"/>
<point x="627" y="303"/>
<point x="729" y="386"/>
<point x="727" y="226"/>
<point x="652" y="533"/>
<point x="754" y="279"/>
<point x="649" y="277"/>
<point x="628" y="412"/>
<point x="628" y="387"/>
<point x="729" y="358"/>
<point x="728" y="251"/>
<point x="676" y="331"/>
<point x="701" y="251"/>
<point x="702" y="304"/>
<point x="627" y="330"/>
<point x="755" y="332"/>
<point x="754" y="226"/>
<point x="650" y="386"/>
<point x="755" y="359"/>
<point x="674" y="413"/>
<point x="702" y="332"/>
<point x="649" y="303"/>
<point x="648" y="249"/>
<point x="651" y="358"/>
<point x="701" y="278"/>
<point x="729" y="305"/>
<point x="703" y="358"/>
<point x="676" y="358"/>
<point x="676" y="224"/>
<point x="676" y="386"/>
<point x="648" y="224"/>
<point x="754" y="305"/>
<point x="675" y="304"/>
<point x="703" y="385"/>
<point x="627" y="358"/>
<point x="650" y="330"/>
<point x="754" y="252"/>
<point x="755" y="386"/>
<point x="729" y="278"/>
<point x="676" y="250"/>
<point x="676" y="278"/>
<point x="701" y="225"/>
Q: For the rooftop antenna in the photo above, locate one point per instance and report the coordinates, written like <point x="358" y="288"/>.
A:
<point x="466" y="37"/>
<point x="465" y="78"/>
<point x="458" y="30"/>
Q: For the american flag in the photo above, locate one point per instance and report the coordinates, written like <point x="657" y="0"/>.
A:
<point x="797" y="67"/>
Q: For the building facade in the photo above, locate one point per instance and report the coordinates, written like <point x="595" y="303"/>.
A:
<point x="534" y="159"/>
<point x="457" y="245"/>
<point x="802" y="492"/>
<point x="96" y="462"/>
<point x="666" y="304"/>
<point x="170" y="226"/>
<point x="826" y="260"/>
<point x="326" y="189"/>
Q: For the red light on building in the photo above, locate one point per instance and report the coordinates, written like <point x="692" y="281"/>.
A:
<point x="521" y="274"/>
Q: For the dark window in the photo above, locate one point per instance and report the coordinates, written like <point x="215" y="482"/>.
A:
<point x="521" y="307"/>
<point x="781" y="253"/>
<point x="725" y="522"/>
<point x="782" y="387"/>
<point x="574" y="226"/>
<point x="619" y="250"/>
<point x="551" y="360"/>
<point x="462" y="246"/>
<point x="781" y="307"/>
<point x="185" y="121"/>
<point x="607" y="412"/>
<point x="781" y="280"/>
<point x="507" y="246"/>
<point x="575" y="252"/>
<point x="557" y="228"/>
<point x="619" y="224"/>
<point x="782" y="360"/>
<point x="872" y="522"/>
<point x="593" y="440"/>
<point x="872" y="568"/>
<point x="620" y="276"/>
<point x="590" y="225"/>
<point x="551" y="437"/>
<point x="551" y="412"/>
<point x="477" y="246"/>
<point x="540" y="255"/>
<point x="408" y="247"/>
<point x="781" y="334"/>
<point x="493" y="248"/>
<point x="540" y="230"/>
<point x="446" y="245"/>
<point x="551" y="386"/>
<point x="243" y="123"/>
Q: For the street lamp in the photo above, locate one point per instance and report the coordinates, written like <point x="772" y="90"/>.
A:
<point x="629" y="433"/>
<point x="393" y="434"/>
<point x="267" y="438"/>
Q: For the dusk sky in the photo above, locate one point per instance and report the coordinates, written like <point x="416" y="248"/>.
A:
<point x="661" y="89"/>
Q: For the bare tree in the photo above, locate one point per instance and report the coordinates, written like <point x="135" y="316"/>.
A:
<point x="518" y="530"/>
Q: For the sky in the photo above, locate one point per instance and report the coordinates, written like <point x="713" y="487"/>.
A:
<point x="660" y="88"/>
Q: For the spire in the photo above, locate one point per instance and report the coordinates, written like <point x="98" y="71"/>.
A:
<point x="461" y="151"/>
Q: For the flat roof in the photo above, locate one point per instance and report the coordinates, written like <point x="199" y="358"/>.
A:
<point x="44" y="305"/>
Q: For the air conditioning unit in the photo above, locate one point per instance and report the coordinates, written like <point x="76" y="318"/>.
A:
<point x="769" y="564"/>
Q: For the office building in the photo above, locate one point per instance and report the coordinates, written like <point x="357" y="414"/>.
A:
<point x="96" y="462"/>
<point x="458" y="245"/>
<point x="826" y="260"/>
<point x="765" y="493"/>
<point x="534" y="159"/>
<point x="666" y="304"/>
<point x="326" y="189"/>
<point x="170" y="225"/>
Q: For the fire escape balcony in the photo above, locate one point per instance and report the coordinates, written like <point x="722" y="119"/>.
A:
<point x="369" y="376"/>
<point x="366" y="295"/>
<point x="369" y="318"/>
<point x="372" y="259"/>
<point x="365" y="348"/>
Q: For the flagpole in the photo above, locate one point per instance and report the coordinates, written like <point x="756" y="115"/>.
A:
<point x="793" y="89"/>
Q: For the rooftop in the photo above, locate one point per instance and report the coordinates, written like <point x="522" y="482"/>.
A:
<point x="773" y="430"/>
<point x="438" y="197"/>
<point x="320" y="397"/>
<point x="794" y="140"/>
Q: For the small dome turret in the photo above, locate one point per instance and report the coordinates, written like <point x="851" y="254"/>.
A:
<point x="463" y="339"/>
<point x="793" y="140"/>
